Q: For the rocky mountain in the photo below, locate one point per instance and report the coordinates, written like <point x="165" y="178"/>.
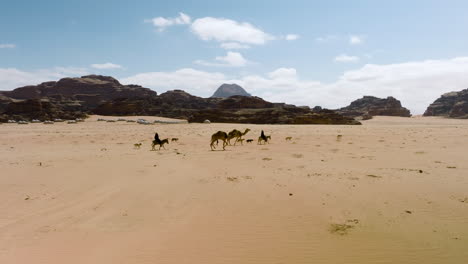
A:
<point x="228" y="90"/>
<point x="93" y="94"/>
<point x="453" y="104"/>
<point x="66" y="98"/>
<point x="369" y="106"/>
<point x="87" y="91"/>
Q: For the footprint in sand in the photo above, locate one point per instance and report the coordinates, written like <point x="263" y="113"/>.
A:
<point x="343" y="229"/>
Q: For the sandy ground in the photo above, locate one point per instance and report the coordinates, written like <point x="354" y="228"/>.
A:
<point x="394" y="190"/>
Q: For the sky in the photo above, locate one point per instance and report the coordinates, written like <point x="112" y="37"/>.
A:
<point x="325" y="53"/>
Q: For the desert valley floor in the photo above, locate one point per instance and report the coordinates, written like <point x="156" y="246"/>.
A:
<point x="394" y="190"/>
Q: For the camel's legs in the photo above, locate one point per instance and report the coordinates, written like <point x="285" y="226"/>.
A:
<point x="212" y="144"/>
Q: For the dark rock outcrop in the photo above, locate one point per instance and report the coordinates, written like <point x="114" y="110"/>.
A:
<point x="173" y="104"/>
<point x="67" y="97"/>
<point x="37" y="109"/>
<point x="228" y="90"/>
<point x="88" y="91"/>
<point x="271" y="116"/>
<point x="235" y="109"/>
<point x="369" y="106"/>
<point x="453" y="104"/>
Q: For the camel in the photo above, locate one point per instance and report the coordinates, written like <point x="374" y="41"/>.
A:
<point x="237" y="135"/>
<point x="220" y="135"/>
<point x="160" y="143"/>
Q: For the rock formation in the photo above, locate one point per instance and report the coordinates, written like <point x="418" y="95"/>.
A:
<point x="87" y="91"/>
<point x="228" y="90"/>
<point x="67" y="97"/>
<point x="71" y="98"/>
<point x="453" y="104"/>
<point x="369" y="106"/>
<point x="235" y="109"/>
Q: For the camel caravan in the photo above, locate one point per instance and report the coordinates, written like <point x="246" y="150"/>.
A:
<point x="215" y="138"/>
<point x="237" y="135"/>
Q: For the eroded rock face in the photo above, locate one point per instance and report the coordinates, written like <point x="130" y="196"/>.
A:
<point x="88" y="91"/>
<point x="369" y="106"/>
<point x="228" y="90"/>
<point x="67" y="97"/>
<point x="453" y="104"/>
<point x="239" y="102"/>
<point x="37" y="109"/>
<point x="271" y="116"/>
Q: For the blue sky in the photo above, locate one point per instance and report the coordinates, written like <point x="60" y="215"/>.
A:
<point x="304" y="52"/>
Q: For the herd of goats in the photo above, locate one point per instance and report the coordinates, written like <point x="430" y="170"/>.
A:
<point x="215" y="138"/>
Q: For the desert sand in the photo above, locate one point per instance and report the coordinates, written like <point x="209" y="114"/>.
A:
<point x="394" y="190"/>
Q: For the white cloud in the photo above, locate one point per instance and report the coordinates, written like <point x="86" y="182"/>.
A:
<point x="7" y="46"/>
<point x="106" y="66"/>
<point x="283" y="73"/>
<point x="234" y="45"/>
<point x="326" y="38"/>
<point x="11" y="78"/>
<point x="162" y="23"/>
<point x="346" y="58"/>
<point x="226" y="30"/>
<point x="192" y="81"/>
<point x="232" y="59"/>
<point x="291" y="37"/>
<point x="356" y="40"/>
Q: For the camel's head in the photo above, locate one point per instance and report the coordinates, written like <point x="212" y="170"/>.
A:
<point x="247" y="130"/>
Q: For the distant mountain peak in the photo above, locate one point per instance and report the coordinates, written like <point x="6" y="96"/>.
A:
<point x="228" y="90"/>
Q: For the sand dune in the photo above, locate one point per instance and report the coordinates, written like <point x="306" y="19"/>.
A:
<point x="394" y="190"/>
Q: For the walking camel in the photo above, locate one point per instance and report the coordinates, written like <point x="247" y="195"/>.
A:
<point x="237" y="135"/>
<point x="220" y="135"/>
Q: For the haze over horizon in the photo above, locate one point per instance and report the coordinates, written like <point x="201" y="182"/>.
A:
<point x="300" y="52"/>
